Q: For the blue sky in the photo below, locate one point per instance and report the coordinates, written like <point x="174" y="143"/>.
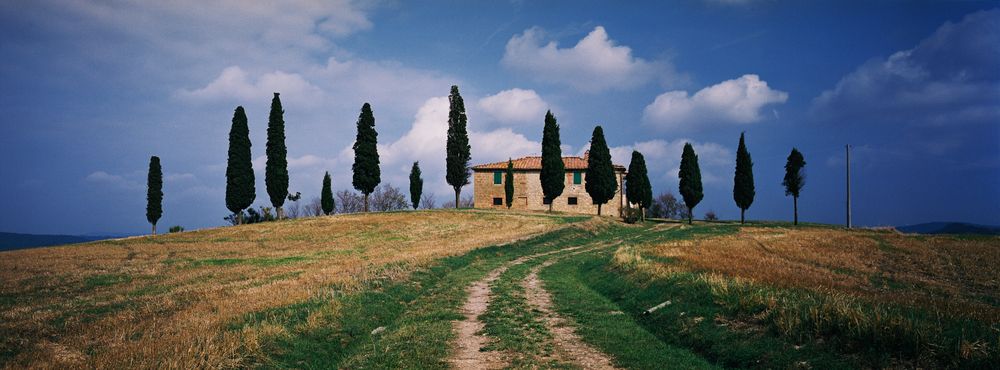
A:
<point x="91" y="89"/>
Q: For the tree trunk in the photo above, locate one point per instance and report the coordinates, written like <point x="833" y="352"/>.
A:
<point x="458" y="191"/>
<point x="550" y="206"/>
<point x="642" y="214"/>
<point x="154" y="229"/>
<point x="690" y="216"/>
<point x="742" y="220"/>
<point x="598" y="209"/>
<point x="239" y="218"/>
<point x="795" y="201"/>
<point x="366" y="202"/>
<point x="281" y="213"/>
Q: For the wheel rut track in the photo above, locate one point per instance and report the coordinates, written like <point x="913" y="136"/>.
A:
<point x="569" y="347"/>
<point x="470" y="340"/>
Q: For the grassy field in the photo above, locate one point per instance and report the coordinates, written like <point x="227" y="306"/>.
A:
<point x="172" y="300"/>
<point x="383" y="291"/>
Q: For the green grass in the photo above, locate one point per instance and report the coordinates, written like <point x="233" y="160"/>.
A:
<point x="602" y="323"/>
<point x="95" y="281"/>
<point x="707" y="325"/>
<point x="514" y="325"/>
<point x="587" y="289"/>
<point x="417" y="314"/>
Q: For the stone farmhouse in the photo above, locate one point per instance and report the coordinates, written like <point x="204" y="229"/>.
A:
<point x="488" y="184"/>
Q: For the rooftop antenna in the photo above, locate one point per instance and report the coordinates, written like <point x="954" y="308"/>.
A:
<point x="848" y="162"/>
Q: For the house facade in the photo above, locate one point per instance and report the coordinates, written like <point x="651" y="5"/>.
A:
<point x="488" y="184"/>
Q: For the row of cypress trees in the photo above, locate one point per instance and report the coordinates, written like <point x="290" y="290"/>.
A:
<point x="240" y="192"/>
<point x="743" y="182"/>
<point x="600" y="182"/>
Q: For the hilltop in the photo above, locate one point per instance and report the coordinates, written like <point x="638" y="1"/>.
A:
<point x="475" y="288"/>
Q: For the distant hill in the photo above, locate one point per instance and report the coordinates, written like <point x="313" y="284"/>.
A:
<point x="950" y="228"/>
<point x="9" y="241"/>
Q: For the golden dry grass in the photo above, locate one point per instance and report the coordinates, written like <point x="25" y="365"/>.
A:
<point x="949" y="274"/>
<point x="166" y="301"/>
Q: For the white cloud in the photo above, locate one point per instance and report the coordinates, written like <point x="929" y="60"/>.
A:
<point x="594" y="64"/>
<point x="949" y="78"/>
<point x="663" y="160"/>
<point x="385" y="84"/>
<point x="117" y="181"/>
<point x="234" y="84"/>
<point x="515" y="106"/>
<point x="297" y="23"/>
<point x="737" y="101"/>
<point x="425" y="142"/>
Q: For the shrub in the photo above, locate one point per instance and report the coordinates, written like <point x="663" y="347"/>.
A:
<point x="176" y="229"/>
<point x="631" y="215"/>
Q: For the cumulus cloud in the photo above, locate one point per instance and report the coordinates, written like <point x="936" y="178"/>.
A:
<point x="425" y="142"/>
<point x="663" y="160"/>
<point x="594" y="64"/>
<point x="383" y="83"/>
<point x="514" y="106"/>
<point x="736" y="101"/>
<point x="234" y="84"/>
<point x="950" y="77"/>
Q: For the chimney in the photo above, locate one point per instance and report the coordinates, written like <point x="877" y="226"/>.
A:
<point x="586" y="156"/>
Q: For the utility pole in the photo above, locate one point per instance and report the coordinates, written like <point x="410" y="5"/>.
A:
<point x="848" y="162"/>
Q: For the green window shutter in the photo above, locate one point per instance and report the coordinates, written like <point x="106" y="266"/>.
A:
<point x="577" y="178"/>
<point x="497" y="177"/>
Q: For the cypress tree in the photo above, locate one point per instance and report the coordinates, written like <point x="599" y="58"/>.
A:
<point x="508" y="183"/>
<point x="154" y="192"/>
<point x="240" y="192"/>
<point x="637" y="186"/>
<point x="553" y="176"/>
<point x="416" y="185"/>
<point x="276" y="171"/>
<point x="743" y="191"/>
<point x="600" y="176"/>
<point x="366" y="171"/>
<point x="690" y="180"/>
<point x="795" y="178"/>
<point x="458" y="148"/>
<point x="326" y="196"/>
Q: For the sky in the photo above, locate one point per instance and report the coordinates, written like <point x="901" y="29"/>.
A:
<point x="89" y="90"/>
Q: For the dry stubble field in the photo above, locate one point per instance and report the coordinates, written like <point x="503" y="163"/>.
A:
<point x="165" y="301"/>
<point x="953" y="275"/>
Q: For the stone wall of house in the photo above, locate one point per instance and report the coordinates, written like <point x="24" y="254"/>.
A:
<point x="528" y="194"/>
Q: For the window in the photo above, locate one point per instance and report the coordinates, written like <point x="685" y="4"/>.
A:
<point x="571" y="201"/>
<point x="546" y="201"/>
<point x="577" y="178"/>
<point x="498" y="201"/>
<point x="497" y="177"/>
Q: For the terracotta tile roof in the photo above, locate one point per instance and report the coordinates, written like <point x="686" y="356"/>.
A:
<point x="535" y="163"/>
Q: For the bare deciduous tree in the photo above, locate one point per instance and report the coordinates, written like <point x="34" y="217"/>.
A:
<point x="465" y="202"/>
<point x="388" y="198"/>
<point x="349" y="202"/>
<point x="313" y="208"/>
<point x="666" y="206"/>
<point x="293" y="210"/>
<point x="427" y="201"/>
